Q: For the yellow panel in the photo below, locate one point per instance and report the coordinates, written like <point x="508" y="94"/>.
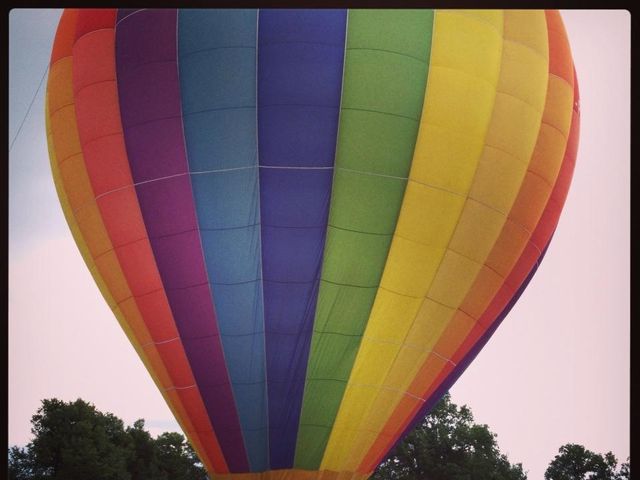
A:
<point x="396" y="308"/>
<point x="497" y="183"/>
<point x="65" y="134"/>
<point x="482" y="239"/>
<point x="555" y="112"/>
<point x="502" y="109"/>
<point x="427" y="218"/>
<point x="525" y="29"/>
<point x="460" y="93"/>
<point x="550" y="148"/>
<point x="407" y="267"/>
<point x="59" y="86"/>
<point x="454" y="278"/>
<point x="428" y="324"/>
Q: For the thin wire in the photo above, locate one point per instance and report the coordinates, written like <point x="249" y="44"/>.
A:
<point x="29" y="109"/>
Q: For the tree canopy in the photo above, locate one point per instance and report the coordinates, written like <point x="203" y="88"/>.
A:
<point x="575" y="462"/>
<point x="74" y="440"/>
<point x="448" y="445"/>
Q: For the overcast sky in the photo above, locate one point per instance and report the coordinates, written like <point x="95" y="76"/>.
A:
<point x="556" y="371"/>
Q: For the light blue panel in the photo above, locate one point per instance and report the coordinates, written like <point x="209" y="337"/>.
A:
<point x="217" y="61"/>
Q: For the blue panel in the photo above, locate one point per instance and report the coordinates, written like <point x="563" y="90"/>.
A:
<point x="217" y="61"/>
<point x="300" y="61"/>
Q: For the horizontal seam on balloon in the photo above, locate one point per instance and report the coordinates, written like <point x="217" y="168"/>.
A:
<point x="373" y="174"/>
<point x="97" y="82"/>
<point x="554" y="127"/>
<point x="399" y="115"/>
<point x="218" y="109"/>
<point x="236" y="335"/>
<point x="472" y="17"/>
<point x="359" y="231"/>
<point x="244" y="282"/>
<point x="297" y="42"/>
<point x="69" y="157"/>
<point x="54" y="112"/>
<point x="529" y="47"/>
<point x="541" y="177"/>
<point x="284" y="167"/>
<point x="491" y="84"/>
<point x="161" y="342"/>
<point x="339" y="334"/>
<point x="180" y="388"/>
<point x="75" y="42"/>
<point x="88" y="142"/>
<point x="304" y="105"/>
<point x="417" y="59"/>
<point x="149" y="121"/>
<point x="133" y="68"/>
<point x="564" y="80"/>
<point x="391" y="389"/>
<point x="186" y="55"/>
<point x="282" y="282"/>
<point x="503" y="150"/>
<point x="411" y="345"/>
<point x="222" y="229"/>
<point x="521" y="100"/>
<point x="347" y="284"/>
<point x="256" y="382"/>
<point x="296" y="227"/>
<point x="167" y="177"/>
<point x="129" y="15"/>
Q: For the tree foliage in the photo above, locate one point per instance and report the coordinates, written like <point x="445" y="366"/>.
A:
<point x="76" y="441"/>
<point x="575" y="462"/>
<point x="448" y="445"/>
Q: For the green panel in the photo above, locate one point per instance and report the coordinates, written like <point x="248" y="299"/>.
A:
<point x="374" y="150"/>
<point x="363" y="194"/>
<point x="385" y="75"/>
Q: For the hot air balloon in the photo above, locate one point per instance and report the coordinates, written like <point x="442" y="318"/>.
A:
<point x="309" y="222"/>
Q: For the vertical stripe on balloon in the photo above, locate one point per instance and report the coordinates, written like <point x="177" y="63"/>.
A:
<point x="384" y="81"/>
<point x="512" y="242"/>
<point x="300" y="61"/>
<point x="424" y="277"/>
<point x="150" y="105"/>
<point x="217" y="60"/>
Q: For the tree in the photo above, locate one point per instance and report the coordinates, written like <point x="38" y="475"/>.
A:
<point x="575" y="462"/>
<point x="144" y="462"/>
<point x="73" y="440"/>
<point x="448" y="445"/>
<point x="178" y="459"/>
<point x="76" y="441"/>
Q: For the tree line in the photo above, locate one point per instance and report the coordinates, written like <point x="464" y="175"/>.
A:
<point x="75" y="441"/>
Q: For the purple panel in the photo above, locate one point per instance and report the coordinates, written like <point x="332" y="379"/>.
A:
<point x="300" y="61"/>
<point x="149" y="94"/>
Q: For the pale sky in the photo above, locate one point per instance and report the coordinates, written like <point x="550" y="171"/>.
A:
<point x="556" y="371"/>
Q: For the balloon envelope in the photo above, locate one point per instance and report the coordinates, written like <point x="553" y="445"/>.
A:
<point x="308" y="223"/>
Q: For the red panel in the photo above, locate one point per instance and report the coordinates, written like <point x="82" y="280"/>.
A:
<point x="100" y="130"/>
<point x="65" y="35"/>
<point x="93" y="19"/>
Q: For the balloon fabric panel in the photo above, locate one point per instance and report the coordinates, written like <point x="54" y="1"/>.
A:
<point x="418" y="250"/>
<point x="300" y="59"/>
<point x="85" y="49"/>
<point x="547" y="153"/>
<point x="309" y="222"/>
<point x="149" y="95"/>
<point x="218" y="93"/>
<point x="364" y="204"/>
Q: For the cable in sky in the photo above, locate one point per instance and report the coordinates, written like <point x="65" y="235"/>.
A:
<point x="44" y="74"/>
